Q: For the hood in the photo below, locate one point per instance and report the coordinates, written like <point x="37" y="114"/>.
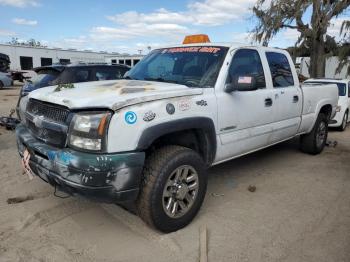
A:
<point x="111" y="94"/>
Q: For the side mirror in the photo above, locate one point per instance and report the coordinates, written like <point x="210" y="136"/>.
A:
<point x="241" y="83"/>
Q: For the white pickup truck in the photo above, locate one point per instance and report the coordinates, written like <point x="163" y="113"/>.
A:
<point x="151" y="137"/>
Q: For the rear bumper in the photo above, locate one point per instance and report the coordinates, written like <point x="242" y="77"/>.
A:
<point x="107" y="178"/>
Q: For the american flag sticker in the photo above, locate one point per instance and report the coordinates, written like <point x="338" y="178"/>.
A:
<point x="244" y="80"/>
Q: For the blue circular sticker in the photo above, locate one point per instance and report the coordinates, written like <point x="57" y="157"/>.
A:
<point x="130" y="117"/>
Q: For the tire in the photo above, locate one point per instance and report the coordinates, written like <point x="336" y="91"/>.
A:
<point x="314" y="142"/>
<point x="1" y="85"/>
<point x="344" y="122"/>
<point x="158" y="180"/>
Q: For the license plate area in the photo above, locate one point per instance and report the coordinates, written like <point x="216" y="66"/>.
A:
<point x="25" y="164"/>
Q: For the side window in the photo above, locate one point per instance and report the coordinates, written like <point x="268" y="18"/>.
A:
<point x="349" y="89"/>
<point x="280" y="69"/>
<point x="161" y="66"/>
<point x="109" y="73"/>
<point x="245" y="64"/>
<point x="78" y="75"/>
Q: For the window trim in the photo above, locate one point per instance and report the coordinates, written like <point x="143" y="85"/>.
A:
<point x="261" y="61"/>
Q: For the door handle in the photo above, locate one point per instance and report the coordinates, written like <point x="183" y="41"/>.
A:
<point x="268" y="102"/>
<point x="295" y="99"/>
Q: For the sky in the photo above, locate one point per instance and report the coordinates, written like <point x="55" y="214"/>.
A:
<point x="131" y="26"/>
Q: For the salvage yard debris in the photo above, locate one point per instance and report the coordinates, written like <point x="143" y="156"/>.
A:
<point x="251" y="188"/>
<point x="16" y="200"/>
<point x="330" y="143"/>
<point x="9" y="122"/>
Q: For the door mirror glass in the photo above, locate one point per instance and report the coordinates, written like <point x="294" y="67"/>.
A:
<point x="246" y="72"/>
<point x="241" y="83"/>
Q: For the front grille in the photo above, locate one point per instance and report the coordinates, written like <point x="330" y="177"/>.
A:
<point x="48" y="113"/>
<point x="49" y="136"/>
<point x="51" y="112"/>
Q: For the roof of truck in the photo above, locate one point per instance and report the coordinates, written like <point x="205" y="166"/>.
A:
<point x="224" y="44"/>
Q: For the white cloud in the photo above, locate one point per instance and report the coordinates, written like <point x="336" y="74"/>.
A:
<point x="335" y="26"/>
<point x="291" y="35"/>
<point x="208" y="13"/>
<point x="4" y="32"/>
<point x="242" y="38"/>
<point x="19" y="3"/>
<point x="138" y="30"/>
<point x="168" y="25"/>
<point x="219" y="12"/>
<point x="159" y="16"/>
<point x="22" y="21"/>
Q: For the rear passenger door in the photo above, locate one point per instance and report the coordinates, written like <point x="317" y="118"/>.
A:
<point x="287" y="94"/>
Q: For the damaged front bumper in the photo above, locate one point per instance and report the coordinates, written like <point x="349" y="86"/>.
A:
<point x="108" y="178"/>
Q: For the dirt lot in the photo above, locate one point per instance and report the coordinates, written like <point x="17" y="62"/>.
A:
<point x="299" y="212"/>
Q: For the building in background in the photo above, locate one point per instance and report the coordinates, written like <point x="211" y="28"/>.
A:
<point x="302" y="64"/>
<point x="129" y="60"/>
<point x="25" y="58"/>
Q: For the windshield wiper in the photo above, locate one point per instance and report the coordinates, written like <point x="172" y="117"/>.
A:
<point x="159" y="79"/>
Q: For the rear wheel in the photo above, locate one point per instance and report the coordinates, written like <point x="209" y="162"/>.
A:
<point x="1" y="85"/>
<point x="314" y="142"/>
<point x="344" y="122"/>
<point x="174" y="188"/>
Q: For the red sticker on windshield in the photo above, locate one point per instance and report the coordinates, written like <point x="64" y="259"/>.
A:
<point x="192" y="49"/>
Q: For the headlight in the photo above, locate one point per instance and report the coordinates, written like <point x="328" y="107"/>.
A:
<point x="338" y="109"/>
<point x="88" y="130"/>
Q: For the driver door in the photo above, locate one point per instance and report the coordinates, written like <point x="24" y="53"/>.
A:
<point x="245" y="118"/>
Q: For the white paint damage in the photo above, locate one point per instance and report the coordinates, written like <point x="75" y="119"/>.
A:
<point x="113" y="94"/>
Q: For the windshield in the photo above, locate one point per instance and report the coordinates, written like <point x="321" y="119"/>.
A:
<point x="195" y="66"/>
<point x="44" y="78"/>
<point x="341" y="86"/>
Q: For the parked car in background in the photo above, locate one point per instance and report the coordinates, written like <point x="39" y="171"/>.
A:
<point x="342" y="117"/>
<point x="4" y="63"/>
<point x="5" y="80"/>
<point x="65" y="74"/>
<point x="72" y="73"/>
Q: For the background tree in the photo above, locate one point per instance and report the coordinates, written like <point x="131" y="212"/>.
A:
<point x="31" y="42"/>
<point x="343" y="51"/>
<point x="274" y="15"/>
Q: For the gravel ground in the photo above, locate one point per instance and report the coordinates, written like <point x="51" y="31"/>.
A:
<point x="300" y="211"/>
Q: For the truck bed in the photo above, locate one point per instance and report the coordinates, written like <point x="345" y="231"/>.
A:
<point x="315" y="96"/>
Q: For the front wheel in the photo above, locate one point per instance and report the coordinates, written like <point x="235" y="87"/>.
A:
<point x="314" y="142"/>
<point x="173" y="190"/>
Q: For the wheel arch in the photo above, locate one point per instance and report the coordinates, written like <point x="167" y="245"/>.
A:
<point x="197" y="133"/>
<point x="327" y="110"/>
